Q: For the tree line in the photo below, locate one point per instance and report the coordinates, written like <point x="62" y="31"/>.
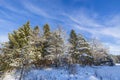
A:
<point x="34" y="47"/>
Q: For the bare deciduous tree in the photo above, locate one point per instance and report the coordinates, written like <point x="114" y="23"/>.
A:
<point x="99" y="52"/>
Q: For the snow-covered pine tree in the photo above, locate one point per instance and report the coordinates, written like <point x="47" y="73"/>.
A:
<point x="79" y="49"/>
<point x="36" y="41"/>
<point x="46" y="35"/>
<point x="46" y="30"/>
<point x="56" y="46"/>
<point x="19" y="38"/>
<point x="73" y="38"/>
<point x="73" y="44"/>
<point x="11" y="49"/>
<point x="4" y="60"/>
<point x="19" y="48"/>
<point x="83" y="53"/>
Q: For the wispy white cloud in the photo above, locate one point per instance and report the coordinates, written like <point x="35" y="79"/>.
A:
<point x="114" y="48"/>
<point x="7" y="25"/>
<point x="113" y="31"/>
<point x="84" y="19"/>
<point x="80" y="19"/>
<point x="35" y="9"/>
<point x="110" y="27"/>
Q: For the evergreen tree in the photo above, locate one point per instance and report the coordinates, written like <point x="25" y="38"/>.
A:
<point x="37" y="43"/>
<point x="56" y="46"/>
<point x="83" y="53"/>
<point x="20" y="38"/>
<point x="36" y="31"/>
<point x="20" y="51"/>
<point x="73" y="44"/>
<point x="46" y="35"/>
<point x="79" y="49"/>
<point x="46" y="30"/>
<point x="73" y="38"/>
<point x="18" y="42"/>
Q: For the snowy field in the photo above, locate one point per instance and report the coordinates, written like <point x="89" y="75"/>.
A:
<point x="75" y="73"/>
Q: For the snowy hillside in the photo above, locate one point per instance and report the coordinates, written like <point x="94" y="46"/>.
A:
<point x="75" y="73"/>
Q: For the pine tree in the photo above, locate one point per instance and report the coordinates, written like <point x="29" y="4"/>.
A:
<point x="46" y="30"/>
<point x="46" y="35"/>
<point x="36" y="31"/>
<point x="79" y="49"/>
<point x="19" y="48"/>
<point x="20" y="38"/>
<point x="56" y="46"/>
<point x="8" y="57"/>
<point x="83" y="53"/>
<point x="37" y="43"/>
<point x="73" y="44"/>
<point x="73" y="38"/>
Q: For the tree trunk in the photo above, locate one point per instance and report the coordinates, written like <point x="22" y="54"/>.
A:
<point x="22" y="72"/>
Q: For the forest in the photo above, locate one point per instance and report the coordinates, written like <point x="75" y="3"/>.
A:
<point x="32" y="47"/>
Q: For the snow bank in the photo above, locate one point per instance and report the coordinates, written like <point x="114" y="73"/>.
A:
<point x="81" y="73"/>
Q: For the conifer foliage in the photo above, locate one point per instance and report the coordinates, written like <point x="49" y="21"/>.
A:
<point x="79" y="49"/>
<point x="73" y="38"/>
<point x="29" y="47"/>
<point x="83" y="51"/>
<point x="46" y="29"/>
<point x="20" y="38"/>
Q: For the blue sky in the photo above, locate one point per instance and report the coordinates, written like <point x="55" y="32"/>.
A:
<point x="92" y="18"/>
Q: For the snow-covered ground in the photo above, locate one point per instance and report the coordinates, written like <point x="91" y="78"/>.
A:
<point x="75" y="73"/>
